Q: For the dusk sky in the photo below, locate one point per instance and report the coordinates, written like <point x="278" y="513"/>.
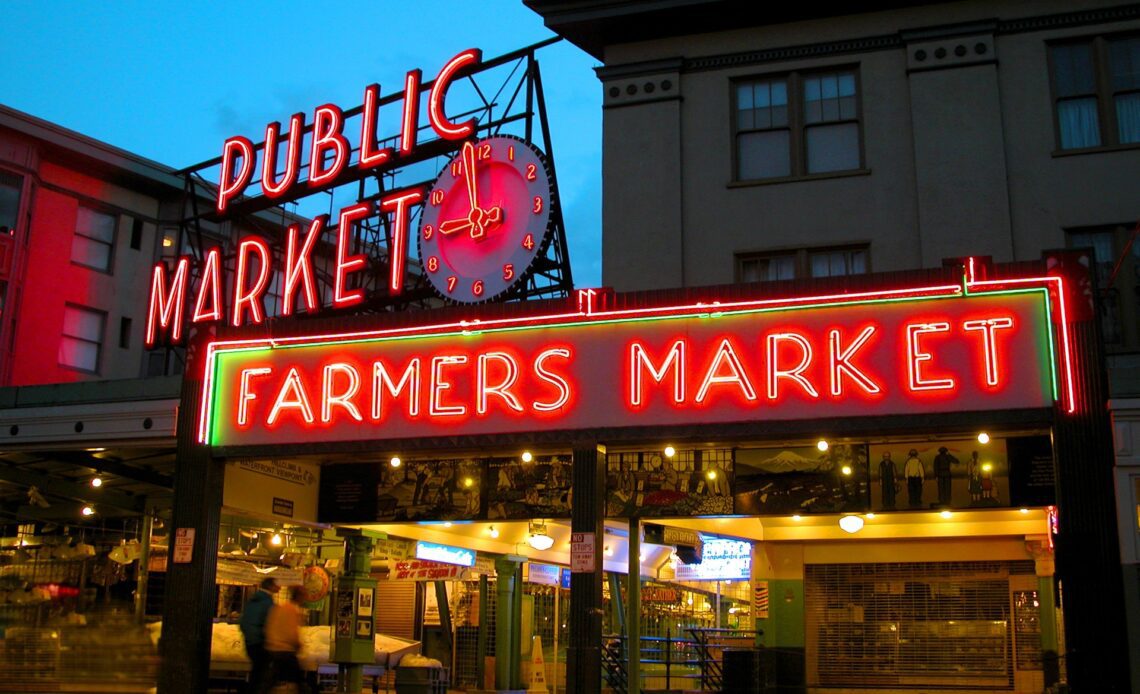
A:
<point x="170" y="81"/>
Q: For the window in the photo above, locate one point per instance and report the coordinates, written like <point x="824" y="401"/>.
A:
<point x="82" y="338"/>
<point x="803" y="262"/>
<point x="10" y="185"/>
<point x="1096" y="92"/>
<point x="797" y="125"/>
<point x="94" y="239"/>
<point x="1119" y="302"/>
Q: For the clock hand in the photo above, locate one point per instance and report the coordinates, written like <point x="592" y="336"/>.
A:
<point x="453" y="225"/>
<point x="469" y="174"/>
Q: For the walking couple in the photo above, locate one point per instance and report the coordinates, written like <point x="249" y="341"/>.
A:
<point x="272" y="634"/>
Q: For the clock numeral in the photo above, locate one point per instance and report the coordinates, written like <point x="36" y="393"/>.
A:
<point x="451" y="283"/>
<point x="429" y="231"/>
<point x="456" y="169"/>
<point x="477" y="288"/>
<point x="528" y="242"/>
<point x="537" y="204"/>
<point x="511" y="153"/>
<point x="436" y="197"/>
<point x="432" y="264"/>
<point x="485" y="150"/>
<point x="508" y="272"/>
<point x="531" y="172"/>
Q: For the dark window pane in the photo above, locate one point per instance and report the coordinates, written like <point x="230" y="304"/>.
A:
<point x="744" y="97"/>
<point x="1124" y="57"/>
<point x="1074" y="69"/>
<point x="1077" y="119"/>
<point x="764" y="155"/>
<point x="746" y="120"/>
<point x="832" y="147"/>
<point x="10" y="185"/>
<point x="1128" y="117"/>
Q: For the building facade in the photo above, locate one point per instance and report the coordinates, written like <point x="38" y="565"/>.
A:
<point x="812" y="143"/>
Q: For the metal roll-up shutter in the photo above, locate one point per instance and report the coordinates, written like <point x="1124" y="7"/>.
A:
<point x="395" y="608"/>
<point x="940" y="625"/>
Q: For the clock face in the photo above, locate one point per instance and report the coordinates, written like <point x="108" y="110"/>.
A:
<point x="486" y="219"/>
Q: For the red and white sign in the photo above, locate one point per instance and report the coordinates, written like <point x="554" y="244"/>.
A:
<point x="582" y="549"/>
<point x="422" y="570"/>
<point x="183" y="545"/>
<point x="939" y="350"/>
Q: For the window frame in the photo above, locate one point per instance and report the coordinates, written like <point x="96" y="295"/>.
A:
<point x="1125" y="291"/>
<point x="797" y="123"/>
<point x="117" y="217"/>
<point x="98" y="344"/>
<point x="802" y="260"/>
<point x="1109" y="129"/>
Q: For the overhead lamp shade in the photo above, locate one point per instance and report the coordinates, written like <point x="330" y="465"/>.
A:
<point x="538" y="538"/>
<point x="851" y="524"/>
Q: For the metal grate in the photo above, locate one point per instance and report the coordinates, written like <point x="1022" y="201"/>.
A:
<point x="919" y="625"/>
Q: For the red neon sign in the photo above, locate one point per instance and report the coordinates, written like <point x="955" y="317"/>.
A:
<point x="329" y="147"/>
<point x="857" y="355"/>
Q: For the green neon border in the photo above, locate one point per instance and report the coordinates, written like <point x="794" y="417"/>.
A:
<point x="213" y="425"/>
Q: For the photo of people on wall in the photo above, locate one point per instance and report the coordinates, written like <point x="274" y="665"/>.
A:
<point x="522" y="489"/>
<point x="939" y="474"/>
<point x="654" y="484"/>
<point x="801" y="479"/>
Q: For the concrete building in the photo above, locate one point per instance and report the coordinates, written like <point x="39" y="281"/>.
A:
<point x="805" y="142"/>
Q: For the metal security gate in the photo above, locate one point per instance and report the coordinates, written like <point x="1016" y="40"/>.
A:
<point x="918" y="625"/>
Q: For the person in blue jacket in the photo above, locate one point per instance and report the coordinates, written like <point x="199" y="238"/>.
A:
<point x="253" y="632"/>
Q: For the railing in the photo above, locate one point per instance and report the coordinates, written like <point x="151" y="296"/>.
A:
<point x="711" y="643"/>
<point x="669" y="662"/>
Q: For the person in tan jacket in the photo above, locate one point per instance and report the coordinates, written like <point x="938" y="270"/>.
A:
<point x="283" y="640"/>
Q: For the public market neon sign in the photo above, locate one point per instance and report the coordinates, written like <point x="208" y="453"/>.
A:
<point x="976" y="346"/>
<point x="329" y="155"/>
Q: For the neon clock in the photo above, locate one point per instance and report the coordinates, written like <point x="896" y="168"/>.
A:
<point x="486" y="220"/>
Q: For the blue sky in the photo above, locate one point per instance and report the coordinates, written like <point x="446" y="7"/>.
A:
<point x="172" y="80"/>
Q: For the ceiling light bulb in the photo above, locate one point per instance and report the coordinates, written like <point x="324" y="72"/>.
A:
<point x="447" y="524"/>
<point x="851" y="524"/>
<point x="492" y="532"/>
<point x="527" y="456"/>
<point x="946" y="514"/>
<point x="797" y="517"/>
<point x="1024" y="510"/>
<point x="96" y="481"/>
<point x="670" y="451"/>
<point x="395" y="461"/>
<point x="983" y="437"/>
<point x="870" y="515"/>
<point x="88" y="511"/>
<point x="822" y="445"/>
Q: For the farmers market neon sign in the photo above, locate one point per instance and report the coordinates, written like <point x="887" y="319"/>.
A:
<point x="976" y="346"/>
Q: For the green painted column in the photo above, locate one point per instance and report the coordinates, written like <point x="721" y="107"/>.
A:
<point x="784" y="634"/>
<point x="507" y="620"/>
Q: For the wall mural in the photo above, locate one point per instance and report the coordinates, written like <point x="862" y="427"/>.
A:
<point x="939" y="474"/>
<point x="801" y="479"/>
<point x="419" y="490"/>
<point x="522" y="490"/>
<point x="650" y="484"/>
